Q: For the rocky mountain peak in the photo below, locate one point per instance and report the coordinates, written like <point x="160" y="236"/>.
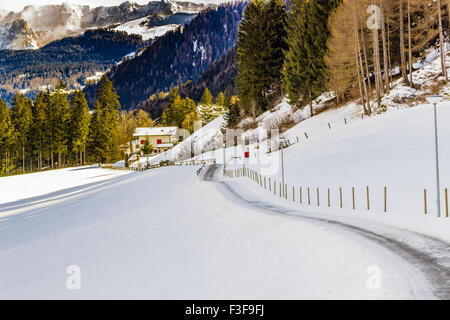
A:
<point x="52" y="22"/>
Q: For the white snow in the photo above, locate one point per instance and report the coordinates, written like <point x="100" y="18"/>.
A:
<point x="98" y="75"/>
<point x="15" y="188"/>
<point x="165" y="234"/>
<point x="395" y="149"/>
<point x="138" y="27"/>
<point x="337" y="148"/>
<point x="142" y="162"/>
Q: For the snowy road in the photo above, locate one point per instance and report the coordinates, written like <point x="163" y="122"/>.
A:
<point x="165" y="233"/>
<point x="428" y="256"/>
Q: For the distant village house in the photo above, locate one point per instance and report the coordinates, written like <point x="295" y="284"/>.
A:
<point x="161" y="138"/>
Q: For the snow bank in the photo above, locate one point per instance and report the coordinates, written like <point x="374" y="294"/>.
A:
<point x="165" y="234"/>
<point x="393" y="150"/>
<point x="24" y="186"/>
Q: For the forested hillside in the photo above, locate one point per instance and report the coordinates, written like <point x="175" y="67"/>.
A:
<point x="177" y="57"/>
<point x="219" y="77"/>
<point x="71" y="59"/>
<point x="346" y="48"/>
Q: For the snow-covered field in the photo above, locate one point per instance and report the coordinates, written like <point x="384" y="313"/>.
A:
<point x="130" y="239"/>
<point x="165" y="233"/>
<point x="33" y="185"/>
<point x="393" y="150"/>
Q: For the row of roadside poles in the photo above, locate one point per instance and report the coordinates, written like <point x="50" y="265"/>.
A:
<point x="281" y="140"/>
<point x="433" y="99"/>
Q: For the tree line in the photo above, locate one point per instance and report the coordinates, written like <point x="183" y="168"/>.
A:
<point x="350" y="47"/>
<point x="378" y="36"/>
<point x="183" y="113"/>
<point x="57" y="130"/>
<point x="219" y="77"/>
<point x="176" y="57"/>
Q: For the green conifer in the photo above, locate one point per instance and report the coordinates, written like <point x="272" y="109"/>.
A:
<point x="21" y="118"/>
<point x="6" y="138"/>
<point x="79" y="120"/>
<point x="206" y="98"/>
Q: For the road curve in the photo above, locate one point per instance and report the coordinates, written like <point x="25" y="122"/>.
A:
<point x="427" y="255"/>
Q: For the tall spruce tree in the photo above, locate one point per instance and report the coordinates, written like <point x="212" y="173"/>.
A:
<point x="60" y="107"/>
<point x="6" y="138"/>
<point x="104" y="128"/>
<point x="21" y="118"/>
<point x="233" y="112"/>
<point x="50" y="124"/>
<point x="261" y="45"/>
<point x="220" y="100"/>
<point x="305" y="70"/>
<point x="206" y="99"/>
<point x="173" y="113"/>
<point x="38" y="127"/>
<point x="79" y="120"/>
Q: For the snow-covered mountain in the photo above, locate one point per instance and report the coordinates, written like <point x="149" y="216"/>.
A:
<point x="36" y="26"/>
<point x="3" y="13"/>
<point x="153" y="26"/>
<point x="17" y="35"/>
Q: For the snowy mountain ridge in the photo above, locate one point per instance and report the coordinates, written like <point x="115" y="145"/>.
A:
<point x="36" y="26"/>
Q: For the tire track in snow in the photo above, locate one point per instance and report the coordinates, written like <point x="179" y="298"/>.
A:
<point x="433" y="264"/>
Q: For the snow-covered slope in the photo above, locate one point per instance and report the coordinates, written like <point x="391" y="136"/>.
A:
<point x="3" y="13"/>
<point x="166" y="234"/>
<point x="139" y="27"/>
<point x="339" y="148"/>
<point x="153" y="26"/>
<point x="15" y="188"/>
<point x="17" y="35"/>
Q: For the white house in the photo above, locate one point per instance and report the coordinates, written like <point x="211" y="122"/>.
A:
<point x="161" y="138"/>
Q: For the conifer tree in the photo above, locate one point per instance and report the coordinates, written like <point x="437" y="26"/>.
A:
<point x="206" y="98"/>
<point x="6" y="137"/>
<point x="177" y="109"/>
<point x="206" y="113"/>
<point x="233" y="113"/>
<point x="104" y="128"/>
<point x="79" y="120"/>
<point x="38" y="126"/>
<point x="261" y="41"/>
<point x="60" y="108"/>
<point x="305" y="70"/>
<point x="173" y="113"/>
<point x="21" y="118"/>
<point x="50" y="123"/>
<point x="220" y="100"/>
<point x="147" y="149"/>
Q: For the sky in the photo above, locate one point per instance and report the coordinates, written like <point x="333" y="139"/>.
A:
<point x="17" y="5"/>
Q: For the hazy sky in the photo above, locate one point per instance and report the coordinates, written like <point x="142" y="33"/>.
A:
<point x="17" y="5"/>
